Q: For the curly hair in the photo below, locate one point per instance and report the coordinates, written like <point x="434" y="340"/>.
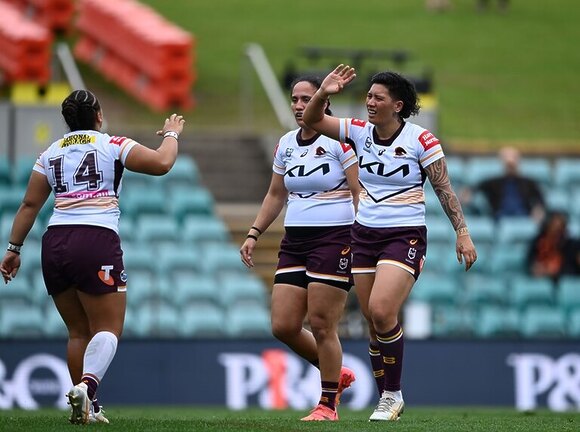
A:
<point x="80" y="110"/>
<point x="400" y="88"/>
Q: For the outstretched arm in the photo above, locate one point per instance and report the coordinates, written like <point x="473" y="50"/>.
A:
<point x="314" y="115"/>
<point x="439" y="178"/>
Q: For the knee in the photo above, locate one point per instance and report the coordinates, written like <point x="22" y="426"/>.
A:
<point x="283" y="330"/>
<point x="382" y="318"/>
<point x="321" y="326"/>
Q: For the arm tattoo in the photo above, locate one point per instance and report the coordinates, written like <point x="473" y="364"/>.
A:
<point x="439" y="178"/>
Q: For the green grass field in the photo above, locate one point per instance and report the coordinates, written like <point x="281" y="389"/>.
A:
<point x="155" y="419"/>
<point x="498" y="77"/>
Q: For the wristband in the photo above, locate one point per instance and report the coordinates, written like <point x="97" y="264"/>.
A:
<point x="257" y="229"/>
<point x="14" y="248"/>
<point x="252" y="237"/>
<point x="171" y="134"/>
<point x="462" y="231"/>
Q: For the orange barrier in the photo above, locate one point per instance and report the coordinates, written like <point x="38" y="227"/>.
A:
<point x="24" y="47"/>
<point x="54" y="14"/>
<point x="139" y="50"/>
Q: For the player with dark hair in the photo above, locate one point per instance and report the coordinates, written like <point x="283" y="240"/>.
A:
<point x="82" y="260"/>
<point x="317" y="178"/>
<point x="389" y="236"/>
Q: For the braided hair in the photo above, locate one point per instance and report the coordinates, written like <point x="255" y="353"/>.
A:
<point x="80" y="110"/>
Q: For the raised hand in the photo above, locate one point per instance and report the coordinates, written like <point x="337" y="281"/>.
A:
<point x="336" y="80"/>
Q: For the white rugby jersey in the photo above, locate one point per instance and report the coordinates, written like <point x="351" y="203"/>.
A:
<point x="84" y="169"/>
<point x="313" y="173"/>
<point x="391" y="172"/>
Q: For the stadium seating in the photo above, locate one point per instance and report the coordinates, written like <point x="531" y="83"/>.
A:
<point x="184" y="202"/>
<point x="478" y="169"/>
<point x="529" y="291"/>
<point x="203" y="320"/>
<point x="173" y="260"/>
<point x="241" y="290"/>
<point x="18" y="320"/>
<point x="496" y="322"/>
<point x="5" y="171"/>
<point x="199" y="230"/>
<point x="573" y="328"/>
<point x="450" y="321"/>
<point x="219" y="259"/>
<point x="152" y="229"/>
<point x="485" y="290"/>
<point x="543" y="322"/>
<point x="248" y="321"/>
<point x="538" y="169"/>
<point x="158" y="319"/>
<point x="567" y="173"/>
<point x="516" y="230"/>
<point x="568" y="293"/>
<point x="197" y="289"/>
<point x="436" y="289"/>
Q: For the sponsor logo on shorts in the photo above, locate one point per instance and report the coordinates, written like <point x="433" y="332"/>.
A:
<point x="412" y="253"/>
<point x="123" y="276"/>
<point x="413" y="242"/>
<point x="345" y="250"/>
<point x="105" y="275"/>
<point x="343" y="263"/>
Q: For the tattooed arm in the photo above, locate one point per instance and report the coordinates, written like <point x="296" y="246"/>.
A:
<point x="439" y="178"/>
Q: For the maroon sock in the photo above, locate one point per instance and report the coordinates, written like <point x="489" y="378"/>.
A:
<point x="96" y="407"/>
<point x="391" y="345"/>
<point x="328" y="396"/>
<point x="92" y="385"/>
<point x="377" y="365"/>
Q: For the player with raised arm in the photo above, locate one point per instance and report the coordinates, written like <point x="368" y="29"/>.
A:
<point x="82" y="260"/>
<point x="317" y="178"/>
<point x="389" y="236"/>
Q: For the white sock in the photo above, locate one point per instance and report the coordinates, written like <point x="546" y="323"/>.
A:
<point x="99" y="354"/>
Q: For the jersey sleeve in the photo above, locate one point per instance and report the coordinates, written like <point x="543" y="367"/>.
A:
<point x="278" y="166"/>
<point x="350" y="129"/>
<point x="346" y="154"/>
<point x="39" y="165"/>
<point x="430" y="148"/>
<point x="120" y="147"/>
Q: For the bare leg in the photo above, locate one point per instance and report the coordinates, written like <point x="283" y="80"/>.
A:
<point x="325" y="307"/>
<point x="71" y="310"/>
<point x="288" y="311"/>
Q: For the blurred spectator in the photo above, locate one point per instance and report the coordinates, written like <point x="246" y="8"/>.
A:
<point x="437" y="5"/>
<point x="511" y="194"/>
<point x="483" y="5"/>
<point x="553" y="253"/>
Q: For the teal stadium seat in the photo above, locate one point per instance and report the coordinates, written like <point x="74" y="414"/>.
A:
<point x="452" y="322"/>
<point x="19" y="292"/>
<point x="186" y="201"/>
<point x="478" y="169"/>
<point x="20" y="321"/>
<point x="573" y="327"/>
<point x="506" y="259"/>
<point x="30" y="258"/>
<point x="527" y="291"/>
<point x="440" y="231"/>
<point x="249" y="321"/>
<point x="543" y="322"/>
<point x="538" y="169"/>
<point x="486" y="290"/>
<point x="567" y="173"/>
<point x="184" y="173"/>
<point x="436" y="289"/>
<point x="173" y="260"/>
<point x="5" y="171"/>
<point x="23" y="170"/>
<point x="132" y="181"/>
<point x="142" y="288"/>
<point x="157" y="229"/>
<point x="204" y="229"/>
<point x="516" y="230"/>
<point x="456" y="170"/>
<point x="498" y="322"/>
<point x="568" y="293"/>
<point x="139" y="258"/>
<point x="143" y="200"/>
<point x="196" y="289"/>
<point x="219" y="259"/>
<point x="482" y="230"/>
<point x="11" y="198"/>
<point x="203" y="320"/>
<point x="433" y="207"/>
<point x="242" y="290"/>
<point x="558" y="200"/>
<point x="574" y="210"/>
<point x="159" y="319"/>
